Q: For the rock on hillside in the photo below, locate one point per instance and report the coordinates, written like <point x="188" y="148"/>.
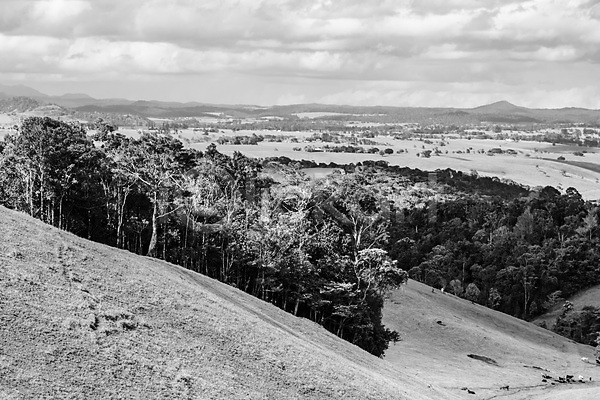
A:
<point x="82" y="320"/>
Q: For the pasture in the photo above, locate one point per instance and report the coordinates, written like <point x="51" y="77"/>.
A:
<point x="534" y="163"/>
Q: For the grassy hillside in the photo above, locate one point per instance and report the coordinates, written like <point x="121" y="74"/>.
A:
<point x="439" y="331"/>
<point x="82" y="320"/>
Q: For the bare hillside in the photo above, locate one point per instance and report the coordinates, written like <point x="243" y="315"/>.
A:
<point x="453" y="344"/>
<point x="81" y="320"/>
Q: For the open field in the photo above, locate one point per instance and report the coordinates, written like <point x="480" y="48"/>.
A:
<point x="82" y="320"/>
<point x="585" y="165"/>
<point x="6" y="122"/>
<point x="533" y="165"/>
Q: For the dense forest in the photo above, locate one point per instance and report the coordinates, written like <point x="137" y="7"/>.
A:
<point x="326" y="249"/>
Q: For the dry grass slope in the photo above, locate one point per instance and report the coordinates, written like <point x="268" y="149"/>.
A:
<point x="80" y="320"/>
<point x="453" y="343"/>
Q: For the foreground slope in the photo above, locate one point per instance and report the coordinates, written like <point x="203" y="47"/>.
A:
<point x="82" y="320"/>
<point x="439" y="331"/>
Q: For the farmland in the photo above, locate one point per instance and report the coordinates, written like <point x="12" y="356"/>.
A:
<point x="522" y="160"/>
<point x="534" y="163"/>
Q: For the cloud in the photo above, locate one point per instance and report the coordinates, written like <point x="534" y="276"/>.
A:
<point x="524" y="45"/>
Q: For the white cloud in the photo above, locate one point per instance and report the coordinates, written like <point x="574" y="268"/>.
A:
<point x="335" y="48"/>
<point x="53" y="12"/>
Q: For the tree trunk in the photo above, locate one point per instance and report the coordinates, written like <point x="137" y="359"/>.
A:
<point x="296" y="306"/>
<point x="42" y="194"/>
<point x="164" y="255"/>
<point x="120" y="218"/>
<point x="52" y="211"/>
<point x="30" y="192"/>
<point x="60" y="213"/>
<point x="526" y="299"/>
<point x="154" y="238"/>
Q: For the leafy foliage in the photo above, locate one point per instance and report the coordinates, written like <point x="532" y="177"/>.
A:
<point x="582" y="326"/>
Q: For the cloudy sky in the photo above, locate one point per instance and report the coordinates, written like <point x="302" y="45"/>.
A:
<point x="463" y="53"/>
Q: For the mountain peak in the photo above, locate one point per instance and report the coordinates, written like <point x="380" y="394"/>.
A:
<point x="20" y="91"/>
<point x="502" y="106"/>
<point x="75" y="96"/>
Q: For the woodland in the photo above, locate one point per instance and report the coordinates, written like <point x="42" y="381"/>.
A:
<point x="326" y="249"/>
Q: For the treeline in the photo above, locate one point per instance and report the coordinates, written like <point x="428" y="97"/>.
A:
<point x="521" y="257"/>
<point x="315" y="249"/>
<point x="582" y="326"/>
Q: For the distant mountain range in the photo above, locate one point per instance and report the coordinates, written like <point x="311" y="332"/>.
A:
<point x="19" y="91"/>
<point x="22" y="98"/>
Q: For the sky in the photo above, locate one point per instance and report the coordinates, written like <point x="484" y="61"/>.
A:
<point x="451" y="53"/>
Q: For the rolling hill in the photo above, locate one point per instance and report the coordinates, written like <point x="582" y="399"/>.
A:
<point x="20" y="91"/>
<point x="83" y="320"/>
<point x="499" y="112"/>
<point x="29" y="106"/>
<point x="454" y="343"/>
<point x="18" y="104"/>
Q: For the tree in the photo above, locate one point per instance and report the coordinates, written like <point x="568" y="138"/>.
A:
<point x="359" y="210"/>
<point x="494" y="298"/>
<point x="118" y="183"/>
<point x="530" y="262"/>
<point x="590" y="223"/>
<point x="456" y="287"/>
<point x="55" y="164"/>
<point x="157" y="163"/>
<point x="376" y="271"/>
<point x="472" y="292"/>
